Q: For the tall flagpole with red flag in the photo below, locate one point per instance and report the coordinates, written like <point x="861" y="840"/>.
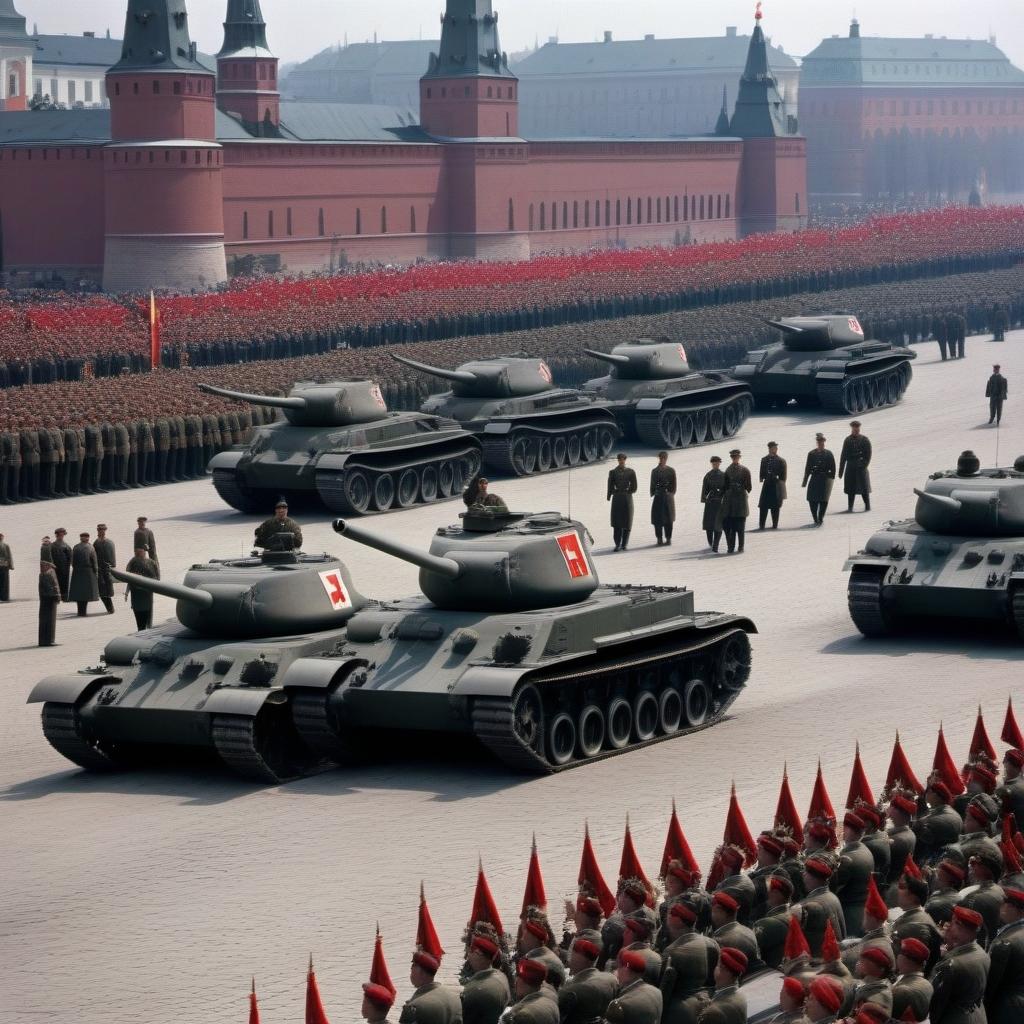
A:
<point x="154" y="333"/>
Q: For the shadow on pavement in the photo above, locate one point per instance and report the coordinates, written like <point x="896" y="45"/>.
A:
<point x="979" y="641"/>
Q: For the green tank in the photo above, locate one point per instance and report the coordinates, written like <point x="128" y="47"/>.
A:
<point x="514" y="641"/>
<point x="525" y="424"/>
<point x="960" y="557"/>
<point x="208" y="680"/>
<point x="824" y="360"/>
<point x="660" y="401"/>
<point x="339" y="444"/>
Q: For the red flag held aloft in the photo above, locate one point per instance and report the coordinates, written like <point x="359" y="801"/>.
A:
<point x="426" y="934"/>
<point x="900" y="774"/>
<point x="630" y="866"/>
<point x="1011" y="733"/>
<point x="980" y="743"/>
<point x="590" y="878"/>
<point x="534" y="896"/>
<point x="676" y="847"/>
<point x="484" y="908"/>
<point x="380" y="981"/>
<point x="737" y="835"/>
<point x="154" y="333"/>
<point x="254" y="1010"/>
<point x="314" y="1006"/>
<point x="786" y="815"/>
<point x="944" y="766"/>
<point x="860" y="788"/>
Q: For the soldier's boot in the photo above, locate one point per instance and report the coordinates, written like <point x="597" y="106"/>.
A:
<point x="849" y="506"/>
<point x="775" y="518"/>
<point x="762" y="518"/>
<point x="942" y="350"/>
<point x="668" y="534"/>
<point x="710" y="534"/>
<point x="625" y="539"/>
<point x="740" y="536"/>
<point x="108" y="604"/>
<point x="716" y="540"/>
<point x="867" y="502"/>
<point x="83" y="608"/>
<point x="657" y="537"/>
<point x="730" y="539"/>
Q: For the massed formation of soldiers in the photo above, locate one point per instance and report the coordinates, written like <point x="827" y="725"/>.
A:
<point x="923" y="919"/>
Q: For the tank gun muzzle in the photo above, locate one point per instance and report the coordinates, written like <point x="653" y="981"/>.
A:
<point x="456" y="376"/>
<point x="178" y="591"/>
<point x="274" y="401"/>
<point x="446" y="567"/>
<point x="940" y="501"/>
<point x="607" y="357"/>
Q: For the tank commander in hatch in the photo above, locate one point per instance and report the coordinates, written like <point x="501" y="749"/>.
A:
<point x="278" y="523"/>
<point x="477" y="497"/>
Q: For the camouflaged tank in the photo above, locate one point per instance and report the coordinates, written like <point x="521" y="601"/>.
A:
<point x="960" y="557"/>
<point x="525" y="424"/>
<point x="659" y="400"/>
<point x="339" y="444"/>
<point x="514" y="641"/>
<point x="825" y="361"/>
<point x="210" y="679"/>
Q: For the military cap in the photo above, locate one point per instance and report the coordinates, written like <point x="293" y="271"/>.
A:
<point x="794" y="988"/>
<point x="820" y="437"/>
<point x="378" y="994"/>
<point x="872" y="1013"/>
<point x="735" y="451"/>
<point x="819" y="867"/>
<point x="914" y="949"/>
<point x="854" y="423"/>
<point x="484" y="944"/>
<point x="733" y="856"/>
<point x="952" y="869"/>
<point x="536" y="929"/>
<point x="621" y="455"/>
<point x="281" y="503"/>
<point x="819" y="830"/>
<point x="903" y="803"/>
<point x="1014" y="896"/>
<point x="632" y="959"/>
<point x="60" y="531"/>
<point x="84" y="533"/>
<point x="679" y="870"/>
<point x="877" y="955"/>
<point x="854" y="821"/>
<point x="915" y="885"/>
<point x="533" y="972"/>
<point x="984" y="808"/>
<point x="1015" y="757"/>
<point x="716" y="458"/>
<point x="773" y="444"/>
<point x="791" y="846"/>
<point x="733" y="959"/>
<point x="781" y="883"/>
<point x="683" y="911"/>
<point x="770" y="843"/>
<point x="142" y="519"/>
<point x="940" y="789"/>
<point x="723" y="899"/>
<point x="427" y="961"/>
<point x="101" y="526"/>
<point x="588" y="942"/>
<point x="989" y="859"/>
<point x="828" y="991"/>
<point x="969" y="917"/>
<point x="635" y="888"/>
<point x="995" y="366"/>
<point x="869" y="814"/>
<point x="479" y="480"/>
<point x="639" y="926"/>
<point x="984" y="775"/>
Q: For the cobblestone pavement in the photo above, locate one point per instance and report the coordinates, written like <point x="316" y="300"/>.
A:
<point x="151" y="898"/>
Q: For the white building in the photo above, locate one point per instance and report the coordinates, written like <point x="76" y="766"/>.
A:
<point x="15" y="58"/>
<point x="72" y="69"/>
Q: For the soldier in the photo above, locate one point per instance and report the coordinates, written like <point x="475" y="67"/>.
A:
<point x="162" y="447"/>
<point x="728" y="1005"/>
<point x="49" y="598"/>
<point x="735" y="506"/>
<point x="194" y="467"/>
<point x="72" y="483"/>
<point x="961" y="976"/>
<point x="6" y="565"/>
<point x="84" y="586"/>
<point x="1011" y="793"/>
<point x="771" y="929"/>
<point x="854" y="460"/>
<point x="820" y="904"/>
<point x="48" y="462"/>
<point x="278" y="523"/>
<point x="637" y="936"/>
<point x="902" y="841"/>
<point x="93" y="459"/>
<point x="109" y="455"/>
<point x="45" y="547"/>
<point x="984" y="895"/>
<point x="585" y="996"/>
<point x="14" y="494"/>
<point x="211" y="438"/>
<point x="144" y="538"/>
<point x="791" y="1003"/>
<point x="996" y="391"/>
<point x="915" y="922"/>
<point x="773" y="486"/>
<point x="106" y="559"/>
<point x="911" y="990"/>
<point x="431" y="1002"/>
<point x="825" y="995"/>
<point x="637" y="1002"/>
<point x="60" y="555"/>
<point x="122" y="456"/>
<point x="146" y="446"/>
<point x="476" y="496"/>
<point x="737" y="884"/>
<point x="940" y="826"/>
<point x="621" y="488"/>
<point x="486" y="993"/>
<point x="769" y="856"/>
<point x="532" y="1005"/>
<point x="875" y="929"/>
<point x="663" y="493"/>
<point x="689" y="965"/>
<point x="949" y="878"/>
<point x="142" y="600"/>
<point x="727" y="930"/>
<point x="874" y="967"/>
<point x="712" y="491"/>
<point x="379" y="992"/>
<point x="29" y="440"/>
<point x="941" y="335"/>
<point x="851" y="879"/>
<point x="1004" y="994"/>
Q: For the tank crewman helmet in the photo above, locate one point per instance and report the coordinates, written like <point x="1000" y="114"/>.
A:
<point x="716" y="459"/>
<point x="735" y="452"/>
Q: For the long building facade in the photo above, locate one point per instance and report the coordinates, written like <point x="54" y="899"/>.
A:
<point x="191" y="176"/>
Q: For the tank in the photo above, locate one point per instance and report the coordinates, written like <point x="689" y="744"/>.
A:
<point x="960" y="557"/>
<point x="513" y="641"/>
<point x="339" y="445"/>
<point x="661" y="402"/>
<point x="209" y="679"/>
<point x="825" y="361"/>
<point x="525" y="424"/>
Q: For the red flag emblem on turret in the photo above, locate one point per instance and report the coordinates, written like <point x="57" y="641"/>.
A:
<point x="682" y="352"/>
<point x="854" y="324"/>
<point x="335" y="587"/>
<point x="545" y="371"/>
<point x="572" y="551"/>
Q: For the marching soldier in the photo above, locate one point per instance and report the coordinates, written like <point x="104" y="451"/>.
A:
<point x="637" y="938"/>
<point x="49" y="598"/>
<point x="854" y="460"/>
<point x="820" y="904"/>
<point x="996" y="391"/>
<point x="738" y="885"/>
<point x="532" y="1005"/>
<point x="1011" y="793"/>
<point x="728" y="1005"/>
<point x="637" y="1001"/>
<point x="985" y="895"/>
<point x="279" y="522"/>
<point x="144" y="538"/>
<point x="961" y="976"/>
<point x="712" y="491"/>
<point x="773" y="486"/>
<point x="1004" y="994"/>
<point x="690" y="960"/>
<point x="431" y="1002"/>
<point x="142" y="600"/>
<point x="486" y="993"/>
<point x="851" y="880"/>
<point x="911" y="990"/>
<point x="621" y="488"/>
<point x="941" y="335"/>
<point x="60" y="555"/>
<point x="6" y="565"/>
<point x="663" y="493"/>
<point x="585" y="996"/>
<point x="940" y="826"/>
<point x="106" y="559"/>
<point x="84" y="586"/>
<point x="771" y="930"/>
<point x="735" y="506"/>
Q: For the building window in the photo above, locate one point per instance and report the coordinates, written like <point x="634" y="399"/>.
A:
<point x="88" y="92"/>
<point x="199" y="157"/>
<point x="728" y="204"/>
<point x="608" y="212"/>
<point x="444" y="91"/>
<point x="701" y="207"/>
<point x="156" y="88"/>
<point x="359" y="222"/>
<point x="543" y="216"/>
<point x="649" y="210"/>
<point x="659" y="210"/>
<point x="263" y="72"/>
<point x="465" y="91"/>
<point x="489" y="92"/>
<point x="245" y="224"/>
<point x="718" y="206"/>
<point x="428" y="92"/>
<point x="117" y="89"/>
<point x="675" y="209"/>
<point x="412" y="219"/>
<point x="797" y="197"/>
<point x="270" y="224"/>
<point x="37" y="88"/>
<point x="288" y="217"/>
<point x="618" y="212"/>
<point x="575" y="213"/>
<point x="320" y="222"/>
<point x="531" y="216"/>
<point x="209" y="158"/>
<point x="383" y="220"/>
<point x="565" y="215"/>
<point x="586" y="213"/>
<point x="72" y="93"/>
<point x="629" y="211"/>
<point x="511" y="216"/>
<point x="177" y="88"/>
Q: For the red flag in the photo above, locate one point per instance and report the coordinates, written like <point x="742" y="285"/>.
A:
<point x="736" y="834"/>
<point x="534" y="896"/>
<point x="860" y="788"/>
<point x="254" y="1010"/>
<point x="426" y="934"/>
<point x="154" y="333"/>
<point x="821" y="803"/>
<point x="314" y="1007"/>
<point x="900" y="774"/>
<point x="676" y="847"/>
<point x="380" y="977"/>
<point x="630" y="866"/>
<point x="590" y="878"/>
<point x="980" y="743"/>
<point x="786" y="814"/>
<point x="945" y="768"/>
<point x="484" y="908"/>
<point x="1011" y="733"/>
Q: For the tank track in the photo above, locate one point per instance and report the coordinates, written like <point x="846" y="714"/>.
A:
<point x="864" y="598"/>
<point x="499" y="450"/>
<point x="244" y="744"/>
<point x="62" y="728"/>
<point x="657" y="430"/>
<point x="1017" y="610"/>
<point x="493" y="718"/>
<point x="862" y="392"/>
<point x="225" y="481"/>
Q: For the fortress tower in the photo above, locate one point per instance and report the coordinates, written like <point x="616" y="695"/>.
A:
<point x="247" y="70"/>
<point x="164" y="198"/>
<point x="16" y="49"/>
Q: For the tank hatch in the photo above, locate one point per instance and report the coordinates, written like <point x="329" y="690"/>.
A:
<point x="819" y="332"/>
<point x="973" y="502"/>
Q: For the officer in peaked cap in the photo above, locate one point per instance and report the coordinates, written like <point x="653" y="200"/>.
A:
<point x="854" y="460"/>
<point x="819" y="475"/>
<point x="727" y="930"/>
<point x="773" y="486"/>
<point x="622" y="486"/>
<point x="856" y="866"/>
<point x="820" y="905"/>
<point x="663" y="499"/>
<point x="771" y="929"/>
<point x="939" y="826"/>
<point x="1011" y="793"/>
<point x="735" y="504"/>
<point x="712" y="492"/>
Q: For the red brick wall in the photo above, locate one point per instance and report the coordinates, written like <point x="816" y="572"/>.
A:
<point x="146" y="107"/>
<point x="247" y="87"/>
<point x="461" y="108"/>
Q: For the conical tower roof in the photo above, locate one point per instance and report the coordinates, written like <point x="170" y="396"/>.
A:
<point x="759" y="111"/>
<point x="469" y="43"/>
<point x="156" y="39"/>
<point x="722" y="124"/>
<point x="245" y="31"/>
<point x="12" y="24"/>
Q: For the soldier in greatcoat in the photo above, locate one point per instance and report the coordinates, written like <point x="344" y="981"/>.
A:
<point x="712" y="491"/>
<point x="911" y="989"/>
<point x="854" y="460"/>
<point x="773" y="486"/>
<point x="960" y="978"/>
<point x="122" y="457"/>
<point x="533" y="1004"/>
<point x="820" y="905"/>
<point x="6" y="565"/>
<point x="690" y="960"/>
<point x="735" y="504"/>
<point x="29" y="440"/>
<point x="621" y="488"/>
<point x="60" y="555"/>
<point x="106" y="559"/>
<point x="996" y="391"/>
<point x="72" y="481"/>
<point x="142" y="600"/>
<point x="772" y="927"/>
<point x="144" y="538"/>
<point x="485" y="993"/>
<point x="587" y="992"/>
<point x="84" y="586"/>
<point x="663" y="499"/>
<point x="637" y="1001"/>
<point x="1004" y="994"/>
<point x="728" y="1005"/>
<point x="49" y="598"/>
<point x="431" y="1002"/>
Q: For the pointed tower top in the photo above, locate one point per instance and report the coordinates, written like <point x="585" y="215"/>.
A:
<point x="156" y="39"/>
<point x="469" y="43"/>
<point x="855" y="29"/>
<point x="722" y="124"/>
<point x="12" y="24"/>
<point x="759" y="111"/>
<point x="245" y="31"/>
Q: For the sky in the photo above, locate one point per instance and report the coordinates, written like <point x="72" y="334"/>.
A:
<point x="300" y="28"/>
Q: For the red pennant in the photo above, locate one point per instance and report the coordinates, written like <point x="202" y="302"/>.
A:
<point x="314" y="1007"/>
<point x="426" y="934"/>
<point x="736" y="834"/>
<point x="379" y="974"/>
<point x="821" y="808"/>
<point x="944" y="766"/>
<point x="874" y="904"/>
<point x="796" y="941"/>
<point x="676" y="847"/>
<point x="1012" y="857"/>
<point x="534" y="896"/>
<point x="910" y="868"/>
<point x="860" y="788"/>
<point x="830" y="953"/>
<point x="980" y="743"/>
<point x="630" y="866"/>
<point x="484" y="908"/>
<point x="590" y="878"/>
<point x="1011" y="733"/>
<point x="254" y="1010"/>
<point x="786" y="815"/>
<point x="900" y="774"/>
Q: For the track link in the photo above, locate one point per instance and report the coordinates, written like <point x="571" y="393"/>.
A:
<point x="309" y="713"/>
<point x="1017" y="610"/>
<point x="62" y="728"/>
<point x="225" y="482"/>
<point x="650" y="430"/>
<point x="838" y="395"/>
<point x="498" y="449"/>
<point x="864" y="597"/>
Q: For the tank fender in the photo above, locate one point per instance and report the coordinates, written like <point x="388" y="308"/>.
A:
<point x="332" y="460"/>
<point x="489" y="680"/>
<point x="860" y="561"/>
<point x="68" y="689"/>
<point x="225" y="460"/>
<point x="318" y="673"/>
<point x="236" y="700"/>
<point x="705" y="625"/>
<point x="501" y="427"/>
<point x="649" y="404"/>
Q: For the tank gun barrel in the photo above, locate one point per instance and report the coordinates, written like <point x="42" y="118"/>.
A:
<point x="273" y="401"/>
<point x="457" y="376"/>
<point x="200" y="598"/>
<point x="446" y="567"/>
<point x="607" y="357"/>
<point x="940" y="501"/>
<point x="780" y="325"/>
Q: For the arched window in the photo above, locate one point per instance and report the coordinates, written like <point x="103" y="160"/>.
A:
<point x="177" y="88"/>
<point x="383" y="220"/>
<point x="488" y="92"/>
<point x="156" y="88"/>
<point x="320" y="222"/>
<point x="245" y="224"/>
<point x="359" y="221"/>
<point x="710" y="207"/>
<point x="412" y="219"/>
<point x="554" y="216"/>
<point x="511" y="212"/>
<point x="270" y="224"/>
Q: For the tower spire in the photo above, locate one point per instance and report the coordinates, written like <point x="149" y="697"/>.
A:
<point x="469" y="42"/>
<point x="12" y="24"/>
<point x="722" y="125"/>
<point x="156" y="38"/>
<point x="759" y="110"/>
<point x="247" y="70"/>
<point x="245" y="30"/>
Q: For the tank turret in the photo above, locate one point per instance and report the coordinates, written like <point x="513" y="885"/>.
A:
<point x="337" y="403"/>
<point x="645" y="359"/>
<point x="971" y="502"/>
<point x="279" y="594"/>
<point x="497" y="563"/>
<point x="503" y="377"/>
<point x="819" y="333"/>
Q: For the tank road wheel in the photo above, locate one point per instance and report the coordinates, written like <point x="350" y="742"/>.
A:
<point x="266" y="748"/>
<point x="700" y="427"/>
<point x="716" y="424"/>
<point x="544" y="456"/>
<point x="894" y="388"/>
<point x="864" y="599"/>
<point x="528" y="718"/>
<point x="383" y="496"/>
<point x="355" y="490"/>
<point x="561" y="738"/>
<point x="446" y="479"/>
<point x="670" y="711"/>
<point x="734" y="660"/>
<point x="235" y="493"/>
<point x="672" y="431"/>
<point x="559" y="452"/>
<point x="685" y="431"/>
<point x="746" y="408"/>
<point x="1017" y="610"/>
<point x="590" y="731"/>
<point x="64" y="731"/>
<point x="573" y="450"/>
<point x="470" y="467"/>
<point x="849" y="398"/>
<point x="696" y="701"/>
<point x="620" y="723"/>
<point x="645" y="716"/>
<point x="605" y="441"/>
<point x="407" y="489"/>
<point x="428" y="484"/>
<point x="590" y="446"/>
<point x="524" y="455"/>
